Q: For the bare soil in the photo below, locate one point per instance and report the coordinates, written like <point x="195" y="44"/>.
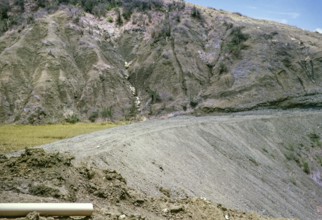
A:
<point x="37" y="176"/>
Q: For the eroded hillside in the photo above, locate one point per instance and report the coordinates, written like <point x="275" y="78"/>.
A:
<point x="168" y="57"/>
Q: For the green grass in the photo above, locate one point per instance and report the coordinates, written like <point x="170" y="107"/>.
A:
<point x="18" y="137"/>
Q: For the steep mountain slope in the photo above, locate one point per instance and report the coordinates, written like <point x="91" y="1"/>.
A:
<point x="65" y="64"/>
<point x="259" y="161"/>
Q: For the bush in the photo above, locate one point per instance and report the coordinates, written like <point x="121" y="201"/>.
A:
<point x="162" y="32"/>
<point x="4" y="8"/>
<point x="177" y="5"/>
<point x="195" y="13"/>
<point x="236" y="42"/>
<point x="110" y="19"/>
<point x="177" y="18"/>
<point x="129" y="6"/>
<point x="222" y="68"/>
<point x="93" y="116"/>
<point x="132" y="112"/>
<point x="155" y="97"/>
<point x="113" y="4"/>
<point x="72" y="119"/>
<point x="237" y="13"/>
<point x="42" y="3"/>
<point x="99" y="10"/>
<point x="21" y="4"/>
<point x="119" y="20"/>
<point x="76" y="20"/>
<point x="193" y="103"/>
<point x="228" y="25"/>
<point x="107" y="113"/>
<point x="306" y="168"/>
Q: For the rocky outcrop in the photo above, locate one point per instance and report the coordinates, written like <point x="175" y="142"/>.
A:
<point x="69" y="65"/>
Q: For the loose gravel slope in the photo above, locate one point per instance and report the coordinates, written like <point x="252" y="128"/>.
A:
<point x="239" y="160"/>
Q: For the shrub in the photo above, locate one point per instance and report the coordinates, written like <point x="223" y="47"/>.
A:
<point x="41" y="3"/>
<point x="193" y="103"/>
<point x="195" y="13"/>
<point x="290" y="156"/>
<point x="163" y="31"/>
<point x="237" y="13"/>
<point x="3" y="26"/>
<point x="76" y="20"/>
<point x="287" y="62"/>
<point x="177" y="18"/>
<point x="314" y="137"/>
<point x="99" y="10"/>
<point x="110" y="19"/>
<point x="222" y="68"/>
<point x="129" y="6"/>
<point x="155" y="97"/>
<point x="21" y="4"/>
<point x="107" y="113"/>
<point x="177" y="5"/>
<point x="72" y="119"/>
<point x="251" y="159"/>
<point x="93" y="116"/>
<point x="119" y="20"/>
<point x="113" y="4"/>
<point x="306" y="168"/>
<point x="166" y="29"/>
<point x="236" y="42"/>
<point x="228" y="25"/>
<point x="132" y="113"/>
<point x="4" y="8"/>
<point x="227" y="80"/>
<point x="320" y="160"/>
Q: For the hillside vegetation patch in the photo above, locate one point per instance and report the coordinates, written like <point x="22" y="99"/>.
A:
<point x="236" y="42"/>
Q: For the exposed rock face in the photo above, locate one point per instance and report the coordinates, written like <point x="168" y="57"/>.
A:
<point x="70" y="65"/>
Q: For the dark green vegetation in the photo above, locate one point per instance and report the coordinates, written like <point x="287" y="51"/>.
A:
<point x="120" y="60"/>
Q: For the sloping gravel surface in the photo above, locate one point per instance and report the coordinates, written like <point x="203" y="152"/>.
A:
<point x="238" y="160"/>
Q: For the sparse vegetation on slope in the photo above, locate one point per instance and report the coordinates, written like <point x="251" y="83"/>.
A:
<point x="236" y="41"/>
<point x="79" y="57"/>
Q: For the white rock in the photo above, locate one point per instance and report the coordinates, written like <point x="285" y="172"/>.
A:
<point x="122" y="216"/>
<point x="165" y="210"/>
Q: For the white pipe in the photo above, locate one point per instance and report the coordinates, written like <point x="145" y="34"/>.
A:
<point x="46" y="209"/>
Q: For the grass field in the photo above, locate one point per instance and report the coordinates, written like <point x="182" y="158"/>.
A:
<point x="17" y="137"/>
